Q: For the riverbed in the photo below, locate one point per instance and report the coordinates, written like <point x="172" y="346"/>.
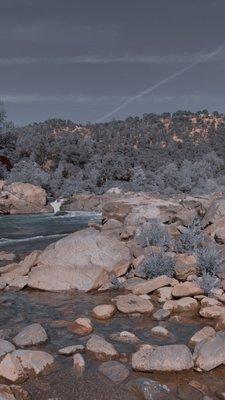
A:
<point x="54" y="311"/>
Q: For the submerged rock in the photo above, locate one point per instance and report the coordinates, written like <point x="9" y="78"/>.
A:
<point x="101" y="349"/>
<point x="78" y="364"/>
<point x="82" y="260"/>
<point x="131" y="303"/>
<point x="148" y="389"/>
<point x="70" y="350"/>
<point x="114" y="371"/>
<point x="104" y="311"/>
<point x="31" y="335"/>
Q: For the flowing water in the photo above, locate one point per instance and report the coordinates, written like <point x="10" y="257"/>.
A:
<point x="55" y="310"/>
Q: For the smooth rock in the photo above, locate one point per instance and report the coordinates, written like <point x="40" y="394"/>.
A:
<point x="4" y="256"/>
<point x="212" y="312"/>
<point x="114" y="371"/>
<point x="131" y="303"/>
<point x="186" y="304"/>
<point x="104" y="311"/>
<point x="186" y="289"/>
<point x="31" y="335"/>
<point x="160" y="331"/>
<point x="5" y="347"/>
<point x="70" y="350"/>
<point x="125" y="337"/>
<point x="81" y="326"/>
<point x="151" y="285"/>
<point x="101" y="349"/>
<point x="210" y="354"/>
<point x="209" y="302"/>
<point x="11" y="369"/>
<point x="82" y="260"/>
<point x="19" y="282"/>
<point x="161" y="315"/>
<point x="203" y="334"/>
<point x="163" y="358"/>
<point x="33" y="361"/>
<point x="78" y="364"/>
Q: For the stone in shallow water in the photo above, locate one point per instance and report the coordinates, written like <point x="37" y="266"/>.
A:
<point x="5" y="347"/>
<point x="11" y="369"/>
<point x="104" y="311"/>
<point x="205" y="333"/>
<point x="70" y="350"/>
<point x="148" y="389"/>
<point x="78" y="364"/>
<point x="114" y="371"/>
<point x="161" y="315"/>
<point x="101" y="349"/>
<point x="31" y="335"/>
<point x="211" y="353"/>
<point x="186" y="304"/>
<point x="34" y="362"/>
<point x="160" y="331"/>
<point x="163" y="358"/>
<point x="131" y="303"/>
<point x="125" y="337"/>
<point x="81" y="326"/>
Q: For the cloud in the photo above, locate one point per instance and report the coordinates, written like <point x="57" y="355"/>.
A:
<point x="109" y="59"/>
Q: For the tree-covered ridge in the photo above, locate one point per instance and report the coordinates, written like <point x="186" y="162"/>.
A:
<point x="167" y="153"/>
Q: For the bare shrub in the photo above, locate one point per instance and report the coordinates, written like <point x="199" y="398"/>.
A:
<point x="209" y="260"/>
<point x="208" y="282"/>
<point x="157" y="263"/>
<point x="153" y="233"/>
<point x="191" y="239"/>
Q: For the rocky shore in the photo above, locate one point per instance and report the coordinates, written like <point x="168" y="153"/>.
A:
<point x="131" y="265"/>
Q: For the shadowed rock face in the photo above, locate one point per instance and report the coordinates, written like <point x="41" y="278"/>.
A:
<point x="82" y="260"/>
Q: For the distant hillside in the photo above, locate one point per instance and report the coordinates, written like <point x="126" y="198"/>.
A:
<point x="182" y="152"/>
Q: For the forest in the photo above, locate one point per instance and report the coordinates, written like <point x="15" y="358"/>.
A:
<point x="183" y="152"/>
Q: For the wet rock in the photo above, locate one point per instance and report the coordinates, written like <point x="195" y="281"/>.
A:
<point x="104" y="311"/>
<point x="125" y="337"/>
<point x="82" y="260"/>
<point x="101" y="349"/>
<point x="204" y="334"/>
<point x="212" y="312"/>
<point x="163" y="358"/>
<point x="11" y="369"/>
<point x="70" y="350"/>
<point x="148" y="389"/>
<point x="186" y="304"/>
<point x="151" y="285"/>
<point x="186" y="392"/>
<point x="6" y="393"/>
<point x="31" y="335"/>
<point x="5" y="347"/>
<point x="20" y="393"/>
<point x="161" y="315"/>
<point x="164" y="294"/>
<point x="114" y="371"/>
<point x="33" y="361"/>
<point x="78" y="364"/>
<point x="81" y="326"/>
<point x="211" y="353"/>
<point x="186" y="289"/>
<point x="131" y="303"/>
<point x="160" y="331"/>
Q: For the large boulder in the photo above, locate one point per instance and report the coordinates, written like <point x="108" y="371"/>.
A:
<point x="210" y="353"/>
<point x="82" y="260"/>
<point x="22" y="198"/>
<point x="163" y="358"/>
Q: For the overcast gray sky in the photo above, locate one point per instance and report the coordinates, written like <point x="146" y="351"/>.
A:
<point x="82" y="59"/>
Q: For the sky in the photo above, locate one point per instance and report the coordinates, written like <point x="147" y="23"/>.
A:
<point x="95" y="60"/>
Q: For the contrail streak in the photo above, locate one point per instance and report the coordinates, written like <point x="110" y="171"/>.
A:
<point x="161" y="83"/>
